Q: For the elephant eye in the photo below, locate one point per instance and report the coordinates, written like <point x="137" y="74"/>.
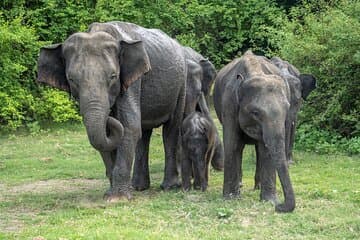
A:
<point x="255" y="113"/>
<point x="114" y="77"/>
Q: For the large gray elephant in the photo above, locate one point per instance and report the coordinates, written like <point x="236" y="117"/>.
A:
<point x="301" y="85"/>
<point x="252" y="102"/>
<point x="127" y="80"/>
<point x="200" y="77"/>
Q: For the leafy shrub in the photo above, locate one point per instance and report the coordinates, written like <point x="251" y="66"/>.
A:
<point x="327" y="44"/>
<point x="18" y="57"/>
<point x="56" y="106"/>
<point x="217" y="29"/>
<point x="309" y="138"/>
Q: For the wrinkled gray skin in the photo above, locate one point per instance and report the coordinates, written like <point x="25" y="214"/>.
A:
<point x="198" y="145"/>
<point x="252" y="103"/>
<point x="301" y="85"/>
<point x="201" y="76"/>
<point x="104" y="69"/>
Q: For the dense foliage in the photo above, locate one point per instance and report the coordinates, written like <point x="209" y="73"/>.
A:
<point x="319" y="37"/>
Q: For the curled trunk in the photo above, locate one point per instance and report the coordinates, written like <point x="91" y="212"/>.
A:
<point x="104" y="132"/>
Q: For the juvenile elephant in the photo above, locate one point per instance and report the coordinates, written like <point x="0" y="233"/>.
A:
<point x="104" y="69"/>
<point x="201" y="76"/>
<point x="198" y="145"/>
<point x="252" y="102"/>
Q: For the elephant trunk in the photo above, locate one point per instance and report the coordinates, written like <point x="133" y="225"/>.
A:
<point x="275" y="142"/>
<point x="104" y="132"/>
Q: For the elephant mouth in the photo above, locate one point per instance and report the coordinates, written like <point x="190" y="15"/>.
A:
<point x="253" y="132"/>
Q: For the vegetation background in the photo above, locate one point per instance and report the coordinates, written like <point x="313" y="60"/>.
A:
<point x="52" y="180"/>
<point x="317" y="36"/>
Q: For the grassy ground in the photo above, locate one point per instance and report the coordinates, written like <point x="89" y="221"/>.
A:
<point x="51" y="187"/>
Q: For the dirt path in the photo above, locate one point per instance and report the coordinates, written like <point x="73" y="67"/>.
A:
<point x="12" y="217"/>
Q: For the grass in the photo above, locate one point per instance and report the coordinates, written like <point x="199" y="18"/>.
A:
<point x="52" y="183"/>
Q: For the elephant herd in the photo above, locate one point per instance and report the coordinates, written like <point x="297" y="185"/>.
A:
<point x="129" y="80"/>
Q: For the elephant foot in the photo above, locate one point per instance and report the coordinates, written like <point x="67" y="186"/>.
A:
<point x="174" y="183"/>
<point x="111" y="197"/>
<point x="257" y="185"/>
<point x="231" y="195"/>
<point x="141" y="185"/>
<point x="269" y="197"/>
<point x="217" y="164"/>
<point x="284" y="208"/>
<point x="201" y="187"/>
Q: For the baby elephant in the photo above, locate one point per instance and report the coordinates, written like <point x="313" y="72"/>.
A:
<point x="198" y="144"/>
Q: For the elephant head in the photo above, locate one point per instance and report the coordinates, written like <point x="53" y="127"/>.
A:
<point x="301" y="85"/>
<point x="263" y="108"/>
<point x="95" y="67"/>
<point x="198" y="143"/>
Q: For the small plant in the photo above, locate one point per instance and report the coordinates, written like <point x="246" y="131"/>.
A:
<point x="224" y="212"/>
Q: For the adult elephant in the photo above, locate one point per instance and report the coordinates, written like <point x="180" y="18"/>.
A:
<point x="252" y="102"/>
<point x="301" y="85"/>
<point x="201" y="74"/>
<point x="104" y="69"/>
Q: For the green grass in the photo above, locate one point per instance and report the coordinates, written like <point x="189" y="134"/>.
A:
<point x="52" y="183"/>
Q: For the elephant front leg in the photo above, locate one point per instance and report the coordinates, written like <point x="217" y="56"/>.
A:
<point x="267" y="174"/>
<point x="120" y="175"/>
<point x="233" y="147"/>
<point x="186" y="171"/>
<point x="141" y="177"/>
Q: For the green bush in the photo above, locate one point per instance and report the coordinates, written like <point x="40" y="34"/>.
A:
<point x="309" y="138"/>
<point x="56" y="106"/>
<point x="218" y="29"/>
<point x="18" y="49"/>
<point x="327" y="44"/>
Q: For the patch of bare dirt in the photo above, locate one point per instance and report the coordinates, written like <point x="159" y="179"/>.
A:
<point x="54" y="185"/>
<point x="12" y="219"/>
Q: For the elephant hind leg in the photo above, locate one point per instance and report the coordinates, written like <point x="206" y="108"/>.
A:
<point x="141" y="177"/>
<point x="171" y="131"/>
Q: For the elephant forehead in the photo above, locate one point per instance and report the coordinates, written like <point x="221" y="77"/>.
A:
<point x="268" y="82"/>
<point x="94" y="41"/>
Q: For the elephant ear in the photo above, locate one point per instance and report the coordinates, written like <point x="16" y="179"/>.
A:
<point x="308" y="84"/>
<point x="51" y="68"/>
<point x="209" y="74"/>
<point x="134" y="62"/>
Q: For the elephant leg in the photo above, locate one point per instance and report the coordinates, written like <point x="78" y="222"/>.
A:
<point x="267" y="175"/>
<point x="141" y="177"/>
<point x="257" y="170"/>
<point x="186" y="171"/>
<point x="170" y="139"/>
<point x="121" y="180"/>
<point x="217" y="162"/>
<point x="233" y="148"/>
<point x="171" y="133"/>
<point x="108" y="159"/>
<point x="291" y="142"/>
